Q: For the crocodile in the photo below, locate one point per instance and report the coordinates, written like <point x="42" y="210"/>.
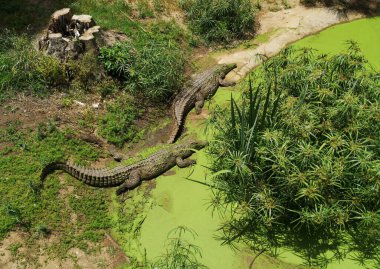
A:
<point x="130" y="176"/>
<point x="202" y="86"/>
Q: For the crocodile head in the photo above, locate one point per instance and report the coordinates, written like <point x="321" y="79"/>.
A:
<point x="187" y="149"/>
<point x="197" y="144"/>
<point x="224" y="69"/>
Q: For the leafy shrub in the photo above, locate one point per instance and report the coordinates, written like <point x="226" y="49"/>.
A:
<point x="299" y="158"/>
<point x="117" y="123"/>
<point x="119" y="59"/>
<point x="220" y="21"/>
<point x="152" y="66"/>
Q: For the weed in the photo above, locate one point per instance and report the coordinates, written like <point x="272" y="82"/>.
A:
<point x="179" y="252"/>
<point x="117" y="124"/>
<point x="151" y="66"/>
<point x="159" y="5"/>
<point x="42" y="230"/>
<point x="23" y="69"/>
<point x="13" y="248"/>
<point x="220" y="21"/>
<point x="144" y="9"/>
<point x="109" y="15"/>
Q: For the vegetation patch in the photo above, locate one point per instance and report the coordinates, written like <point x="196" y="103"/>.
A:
<point x="151" y="66"/>
<point x="117" y="124"/>
<point x="179" y="252"/>
<point x="109" y="15"/>
<point x="220" y="21"/>
<point x="298" y="159"/>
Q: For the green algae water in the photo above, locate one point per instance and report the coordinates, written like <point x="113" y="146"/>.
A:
<point x="180" y="201"/>
<point x="366" y="32"/>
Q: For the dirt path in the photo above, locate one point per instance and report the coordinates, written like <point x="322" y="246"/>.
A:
<point x="287" y="26"/>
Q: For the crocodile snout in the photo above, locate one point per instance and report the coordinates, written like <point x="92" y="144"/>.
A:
<point x="200" y="144"/>
<point x="231" y="66"/>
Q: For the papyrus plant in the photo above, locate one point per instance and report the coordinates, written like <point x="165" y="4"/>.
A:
<point x="301" y="155"/>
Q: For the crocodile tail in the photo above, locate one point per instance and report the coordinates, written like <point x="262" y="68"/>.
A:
<point x="176" y="132"/>
<point x="50" y="168"/>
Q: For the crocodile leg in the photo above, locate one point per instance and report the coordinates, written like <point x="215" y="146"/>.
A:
<point x="132" y="182"/>
<point x="200" y="101"/>
<point x="181" y="163"/>
<point x="223" y="83"/>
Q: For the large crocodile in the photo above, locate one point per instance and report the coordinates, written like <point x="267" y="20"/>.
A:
<point x="194" y="93"/>
<point x="128" y="177"/>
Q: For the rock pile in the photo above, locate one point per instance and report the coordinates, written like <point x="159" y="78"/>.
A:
<point x="69" y="36"/>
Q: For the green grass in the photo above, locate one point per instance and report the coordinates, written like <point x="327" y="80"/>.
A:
<point x="117" y="124"/>
<point x="366" y="32"/>
<point x="107" y="14"/>
<point x="220" y="21"/>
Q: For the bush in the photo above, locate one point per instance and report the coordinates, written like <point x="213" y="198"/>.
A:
<point x="300" y="159"/>
<point x="152" y="66"/>
<point x="117" y="123"/>
<point x="220" y="21"/>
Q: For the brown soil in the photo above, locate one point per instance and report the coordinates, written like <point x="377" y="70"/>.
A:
<point x="30" y="111"/>
<point x="66" y="112"/>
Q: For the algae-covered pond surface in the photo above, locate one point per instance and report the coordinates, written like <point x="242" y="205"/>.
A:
<point x="179" y="201"/>
<point x="366" y="32"/>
